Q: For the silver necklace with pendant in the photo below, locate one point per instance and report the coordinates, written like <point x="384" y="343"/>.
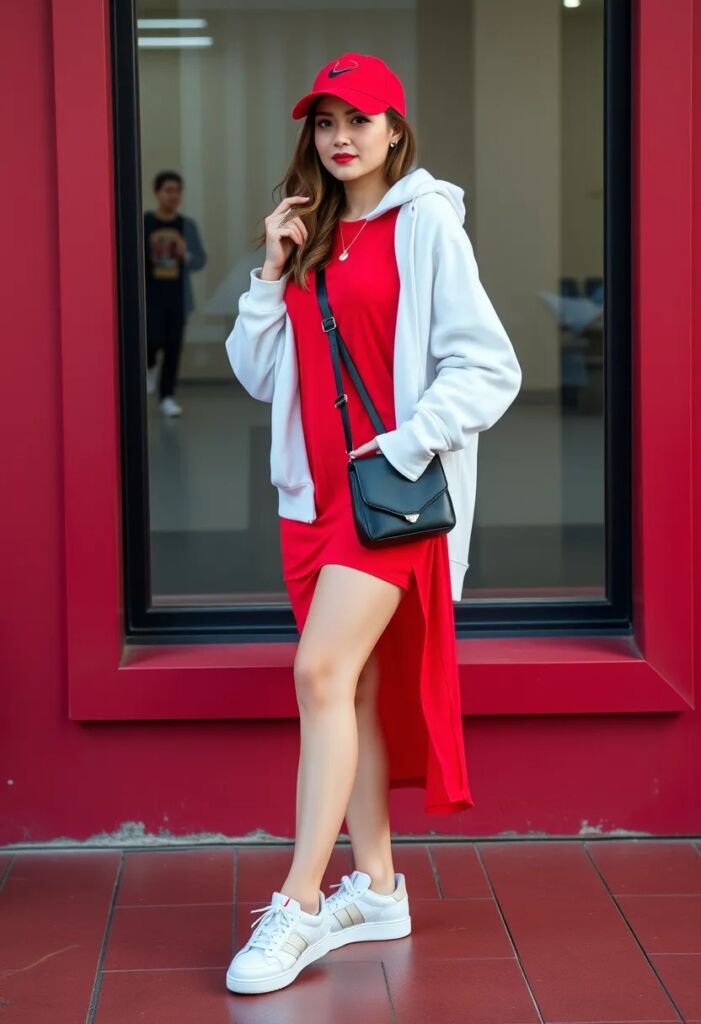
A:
<point x="344" y="254"/>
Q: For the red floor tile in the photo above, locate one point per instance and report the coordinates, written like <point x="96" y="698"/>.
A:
<point x="177" y="876"/>
<point x="415" y="862"/>
<point x="155" y="938"/>
<point x="441" y="929"/>
<point x="665" y="924"/>
<point x="648" y="866"/>
<point x="261" y="870"/>
<point x="53" y="912"/>
<point x="479" y="991"/>
<point x="553" y="932"/>
<point x="341" y="993"/>
<point x="681" y="974"/>
<point x="460" y="873"/>
<point x="577" y="951"/>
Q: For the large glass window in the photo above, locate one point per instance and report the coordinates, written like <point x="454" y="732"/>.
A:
<point x="509" y="100"/>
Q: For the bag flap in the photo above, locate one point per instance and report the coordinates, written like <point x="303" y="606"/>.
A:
<point x="384" y="487"/>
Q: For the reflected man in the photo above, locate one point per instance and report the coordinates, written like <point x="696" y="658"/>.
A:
<point x="172" y="250"/>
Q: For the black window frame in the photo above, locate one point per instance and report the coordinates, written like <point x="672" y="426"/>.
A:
<point x="144" y="623"/>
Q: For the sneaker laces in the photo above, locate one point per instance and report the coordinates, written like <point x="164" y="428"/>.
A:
<point x="346" y="893"/>
<point x="272" y="925"/>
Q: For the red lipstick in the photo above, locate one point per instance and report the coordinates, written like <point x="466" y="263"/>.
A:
<point x="343" y="158"/>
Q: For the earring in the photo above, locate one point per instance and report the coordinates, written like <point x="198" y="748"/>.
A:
<point x="392" y="145"/>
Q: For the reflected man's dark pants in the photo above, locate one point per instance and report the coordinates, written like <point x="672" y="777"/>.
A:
<point x="165" y="322"/>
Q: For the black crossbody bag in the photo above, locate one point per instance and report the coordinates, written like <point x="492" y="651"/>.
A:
<point x="387" y="506"/>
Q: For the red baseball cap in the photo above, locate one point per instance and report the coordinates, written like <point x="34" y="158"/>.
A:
<point x="365" y="81"/>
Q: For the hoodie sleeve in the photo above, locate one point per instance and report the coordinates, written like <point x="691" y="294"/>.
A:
<point x="258" y="330"/>
<point x="477" y="373"/>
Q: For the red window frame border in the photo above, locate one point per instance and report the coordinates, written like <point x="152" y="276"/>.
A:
<point x="652" y="670"/>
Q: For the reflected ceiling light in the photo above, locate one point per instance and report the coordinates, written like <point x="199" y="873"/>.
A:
<point x="571" y="3"/>
<point x="171" y="23"/>
<point x="171" y="42"/>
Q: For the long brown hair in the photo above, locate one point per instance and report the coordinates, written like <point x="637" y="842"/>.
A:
<point x="306" y="176"/>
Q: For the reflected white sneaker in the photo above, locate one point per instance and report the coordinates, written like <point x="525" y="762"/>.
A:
<point x="358" y="914"/>
<point x="151" y="379"/>
<point x="285" y="940"/>
<point x="170" y="407"/>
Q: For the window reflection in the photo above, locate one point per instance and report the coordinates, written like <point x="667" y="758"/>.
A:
<point x="506" y="100"/>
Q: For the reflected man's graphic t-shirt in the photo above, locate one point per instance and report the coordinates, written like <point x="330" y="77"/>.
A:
<point x="163" y="268"/>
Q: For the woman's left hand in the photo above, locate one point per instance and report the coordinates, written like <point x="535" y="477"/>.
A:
<point x="371" y="446"/>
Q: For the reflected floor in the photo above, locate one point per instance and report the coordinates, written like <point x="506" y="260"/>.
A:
<point x="214" y="524"/>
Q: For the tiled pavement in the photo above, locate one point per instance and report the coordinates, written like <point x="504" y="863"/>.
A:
<point x="504" y="932"/>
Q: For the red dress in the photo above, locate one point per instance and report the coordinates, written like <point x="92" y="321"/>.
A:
<point x="419" y="696"/>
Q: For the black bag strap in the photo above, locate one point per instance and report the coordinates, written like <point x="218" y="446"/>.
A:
<point x="337" y="344"/>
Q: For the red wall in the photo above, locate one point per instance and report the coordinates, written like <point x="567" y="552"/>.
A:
<point x="552" y="774"/>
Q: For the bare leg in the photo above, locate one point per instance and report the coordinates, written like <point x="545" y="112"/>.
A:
<point x="367" y="815"/>
<point x="349" y="611"/>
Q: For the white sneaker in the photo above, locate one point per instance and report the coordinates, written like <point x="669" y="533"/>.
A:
<point x="170" y="407"/>
<point x="285" y="940"/>
<point x="358" y="914"/>
<point x="151" y="379"/>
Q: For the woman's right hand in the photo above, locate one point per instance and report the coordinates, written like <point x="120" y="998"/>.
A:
<point x="283" y="231"/>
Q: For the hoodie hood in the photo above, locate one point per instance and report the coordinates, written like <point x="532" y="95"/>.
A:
<point x="416" y="183"/>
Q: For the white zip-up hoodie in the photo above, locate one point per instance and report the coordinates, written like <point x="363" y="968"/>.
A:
<point x="455" y="370"/>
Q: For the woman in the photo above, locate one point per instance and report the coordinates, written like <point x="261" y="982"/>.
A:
<point x="375" y="670"/>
